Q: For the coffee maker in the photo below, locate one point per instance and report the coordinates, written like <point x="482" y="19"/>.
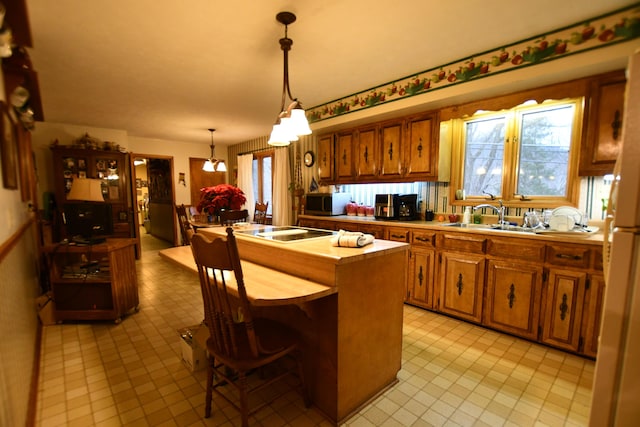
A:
<point x="395" y="206"/>
<point x="408" y="207"/>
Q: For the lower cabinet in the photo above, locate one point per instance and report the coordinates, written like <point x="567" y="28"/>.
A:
<point x="549" y="292"/>
<point x="592" y="315"/>
<point x="421" y="274"/>
<point x="461" y="285"/>
<point x="513" y="298"/>
<point x="563" y="300"/>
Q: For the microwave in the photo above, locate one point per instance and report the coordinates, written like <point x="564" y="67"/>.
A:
<point x="326" y="203"/>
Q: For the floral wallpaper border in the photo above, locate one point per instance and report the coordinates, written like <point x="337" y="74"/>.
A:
<point x="615" y="27"/>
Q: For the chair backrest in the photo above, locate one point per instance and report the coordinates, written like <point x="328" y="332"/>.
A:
<point x="228" y="317"/>
<point x="260" y="213"/>
<point x="183" y="220"/>
<point x="228" y="217"/>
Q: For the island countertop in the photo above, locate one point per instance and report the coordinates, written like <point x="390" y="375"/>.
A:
<point x="314" y="259"/>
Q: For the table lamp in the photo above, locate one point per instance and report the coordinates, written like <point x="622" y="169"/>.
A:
<point x="86" y="189"/>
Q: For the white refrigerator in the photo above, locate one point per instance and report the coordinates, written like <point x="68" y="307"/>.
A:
<point x="616" y="386"/>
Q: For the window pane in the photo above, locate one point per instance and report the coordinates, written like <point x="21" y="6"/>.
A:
<point x="484" y="150"/>
<point x="256" y="180"/>
<point x="267" y="195"/>
<point x="545" y="139"/>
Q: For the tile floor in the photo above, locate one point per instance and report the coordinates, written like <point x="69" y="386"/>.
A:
<point x="453" y="373"/>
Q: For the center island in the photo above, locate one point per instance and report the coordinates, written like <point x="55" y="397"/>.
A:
<point x="350" y="319"/>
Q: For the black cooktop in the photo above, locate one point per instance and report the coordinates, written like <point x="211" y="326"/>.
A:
<point x="286" y="234"/>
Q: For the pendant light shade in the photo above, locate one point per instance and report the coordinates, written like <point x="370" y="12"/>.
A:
<point x="292" y="121"/>
<point x="212" y="164"/>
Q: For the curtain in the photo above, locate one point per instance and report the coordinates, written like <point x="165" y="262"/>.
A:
<point x="281" y="195"/>
<point x="245" y="181"/>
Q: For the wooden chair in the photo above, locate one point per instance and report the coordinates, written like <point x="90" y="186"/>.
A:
<point x="229" y="217"/>
<point x="260" y="213"/>
<point x="239" y="343"/>
<point x="185" y="226"/>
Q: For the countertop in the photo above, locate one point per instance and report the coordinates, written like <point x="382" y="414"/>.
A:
<point x="591" y="238"/>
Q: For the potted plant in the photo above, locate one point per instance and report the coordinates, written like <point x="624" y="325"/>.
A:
<point x="220" y="197"/>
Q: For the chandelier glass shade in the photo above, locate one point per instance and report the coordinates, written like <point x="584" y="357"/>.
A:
<point x="292" y="120"/>
<point x="212" y="164"/>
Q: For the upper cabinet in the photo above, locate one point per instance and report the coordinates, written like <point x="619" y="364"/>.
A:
<point x="601" y="143"/>
<point x="391" y="149"/>
<point x="421" y="147"/>
<point x="325" y="157"/>
<point x="367" y="153"/>
<point x="398" y="150"/>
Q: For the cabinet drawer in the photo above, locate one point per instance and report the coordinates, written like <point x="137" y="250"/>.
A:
<point x="462" y="242"/>
<point x="376" y="230"/>
<point x="568" y="256"/>
<point x="423" y="238"/>
<point x="398" y="234"/>
<point x="516" y="248"/>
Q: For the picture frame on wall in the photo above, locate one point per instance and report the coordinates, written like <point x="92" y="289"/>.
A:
<point x="8" y="150"/>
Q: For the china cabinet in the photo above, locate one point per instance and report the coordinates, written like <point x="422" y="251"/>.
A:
<point x="111" y="167"/>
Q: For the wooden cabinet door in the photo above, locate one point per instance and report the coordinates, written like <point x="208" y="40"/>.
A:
<point x="344" y="159"/>
<point x="325" y="157"/>
<point x="513" y="298"/>
<point x="601" y="144"/>
<point x="391" y="149"/>
<point x="593" y="315"/>
<point x="421" y="277"/>
<point x="367" y="153"/>
<point x="421" y="148"/>
<point x="563" y="303"/>
<point x="461" y="284"/>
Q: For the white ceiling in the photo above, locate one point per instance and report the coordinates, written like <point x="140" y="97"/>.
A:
<point x="169" y="70"/>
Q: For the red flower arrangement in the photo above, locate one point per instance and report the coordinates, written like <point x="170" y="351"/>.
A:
<point x="222" y="196"/>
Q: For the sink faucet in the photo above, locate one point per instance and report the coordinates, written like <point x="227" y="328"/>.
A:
<point x="499" y="210"/>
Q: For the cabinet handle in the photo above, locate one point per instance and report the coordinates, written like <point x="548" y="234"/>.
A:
<point x="512" y="295"/>
<point x="616" y="124"/>
<point x="390" y="151"/>
<point x="324" y="158"/>
<point x="568" y="256"/>
<point x="459" y="285"/>
<point x="420" y="277"/>
<point x="422" y="239"/>
<point x="399" y="236"/>
<point x="366" y="154"/>
<point x="420" y="147"/>
<point x="344" y="157"/>
<point x="563" y="307"/>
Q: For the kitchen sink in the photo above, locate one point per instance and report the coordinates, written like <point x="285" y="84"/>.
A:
<point x="496" y="227"/>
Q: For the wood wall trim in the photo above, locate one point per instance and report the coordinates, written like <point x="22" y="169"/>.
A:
<point x="12" y="241"/>
<point x="570" y="89"/>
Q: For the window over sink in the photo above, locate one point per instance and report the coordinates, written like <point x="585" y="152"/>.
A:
<point x="527" y="155"/>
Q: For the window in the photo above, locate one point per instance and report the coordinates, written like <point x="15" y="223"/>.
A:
<point x="263" y="178"/>
<point x="529" y="153"/>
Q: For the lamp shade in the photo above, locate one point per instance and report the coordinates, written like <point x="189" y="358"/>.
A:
<point x="86" y="189"/>
<point x="208" y="166"/>
<point x="299" y="122"/>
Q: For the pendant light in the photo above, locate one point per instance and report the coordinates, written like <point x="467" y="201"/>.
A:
<point x="212" y="164"/>
<point x="292" y="120"/>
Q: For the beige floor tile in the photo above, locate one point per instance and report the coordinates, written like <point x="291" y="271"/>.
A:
<point x="453" y="374"/>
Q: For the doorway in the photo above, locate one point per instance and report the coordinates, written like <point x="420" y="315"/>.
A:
<point x="155" y="196"/>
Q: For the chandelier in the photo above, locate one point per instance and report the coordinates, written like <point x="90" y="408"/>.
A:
<point x="212" y="164"/>
<point x="292" y="120"/>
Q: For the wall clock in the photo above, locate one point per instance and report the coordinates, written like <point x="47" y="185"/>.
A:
<point x="309" y="159"/>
